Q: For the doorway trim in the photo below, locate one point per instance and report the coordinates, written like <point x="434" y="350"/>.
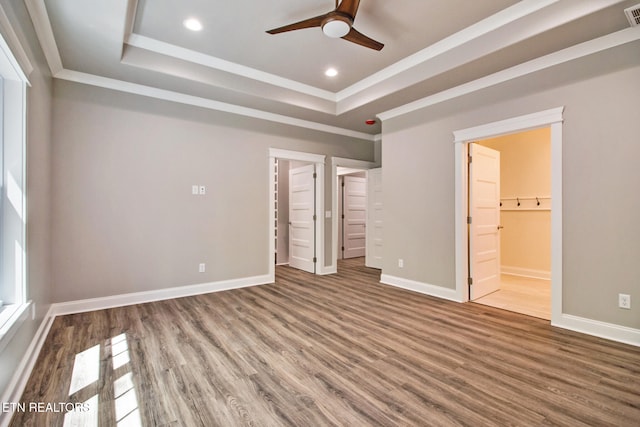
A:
<point x="337" y="162"/>
<point x="319" y="161"/>
<point x="552" y="118"/>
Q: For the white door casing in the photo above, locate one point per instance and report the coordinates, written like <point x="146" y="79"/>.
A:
<point x="375" y="224"/>
<point x="553" y="118"/>
<point x="301" y="218"/>
<point x="484" y="209"/>
<point x="355" y="216"/>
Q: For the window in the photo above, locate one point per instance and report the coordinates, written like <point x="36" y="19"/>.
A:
<point x="13" y="293"/>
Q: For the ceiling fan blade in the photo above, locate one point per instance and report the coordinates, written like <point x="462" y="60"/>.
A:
<point x="357" y="37"/>
<point x="350" y="7"/>
<point x="307" y="23"/>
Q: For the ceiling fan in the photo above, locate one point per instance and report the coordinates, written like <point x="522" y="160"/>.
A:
<point x="337" y="24"/>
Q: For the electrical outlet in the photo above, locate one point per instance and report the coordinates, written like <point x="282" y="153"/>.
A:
<point x="401" y="263"/>
<point x="201" y="267"/>
<point x="624" y="301"/>
<point x="203" y="190"/>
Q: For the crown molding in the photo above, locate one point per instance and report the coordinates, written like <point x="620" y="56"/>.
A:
<point x="181" y="98"/>
<point x="581" y="50"/>
<point x="40" y="18"/>
<point x="209" y="61"/>
<point x="21" y="67"/>
<point x="492" y="23"/>
<point x="484" y="27"/>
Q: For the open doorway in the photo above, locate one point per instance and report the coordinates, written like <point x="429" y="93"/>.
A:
<point x="295" y="233"/>
<point x="552" y="118"/>
<point x="360" y="172"/>
<point x="295" y="204"/>
<point x="352" y="213"/>
<point x="522" y="246"/>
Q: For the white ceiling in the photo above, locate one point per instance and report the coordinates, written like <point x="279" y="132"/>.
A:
<point x="431" y="47"/>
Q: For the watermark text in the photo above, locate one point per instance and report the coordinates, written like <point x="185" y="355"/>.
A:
<point x="61" y="407"/>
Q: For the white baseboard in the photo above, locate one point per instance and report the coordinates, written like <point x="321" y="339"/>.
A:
<point x="122" y="300"/>
<point x="596" y="328"/>
<point x="525" y="272"/>
<point x="423" y="288"/>
<point x="18" y="382"/>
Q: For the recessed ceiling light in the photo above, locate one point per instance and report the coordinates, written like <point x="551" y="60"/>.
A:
<point x="192" y="24"/>
<point x="331" y="72"/>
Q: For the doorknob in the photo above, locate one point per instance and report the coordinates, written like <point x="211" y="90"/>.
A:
<point x="500" y="227"/>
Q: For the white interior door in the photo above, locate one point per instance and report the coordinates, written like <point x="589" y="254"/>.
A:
<point x="484" y="230"/>
<point x="301" y="218"/>
<point x="373" y="256"/>
<point x="355" y="216"/>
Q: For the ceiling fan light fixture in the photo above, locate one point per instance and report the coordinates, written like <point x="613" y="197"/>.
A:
<point x="336" y="28"/>
<point x="336" y="24"/>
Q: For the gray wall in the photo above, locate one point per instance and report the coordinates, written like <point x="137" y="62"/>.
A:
<point x="124" y="219"/>
<point x="38" y="178"/>
<point x="600" y="179"/>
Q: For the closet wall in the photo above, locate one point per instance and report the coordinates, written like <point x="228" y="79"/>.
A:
<point x="282" y="212"/>
<point x="525" y="187"/>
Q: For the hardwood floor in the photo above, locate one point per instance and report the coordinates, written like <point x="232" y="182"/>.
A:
<point x="522" y="295"/>
<point x="340" y="350"/>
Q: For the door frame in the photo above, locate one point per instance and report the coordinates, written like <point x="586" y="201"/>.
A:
<point x="319" y="161"/>
<point x="552" y="118"/>
<point x="345" y="163"/>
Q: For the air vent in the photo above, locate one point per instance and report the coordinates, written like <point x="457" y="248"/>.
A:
<point x="633" y="15"/>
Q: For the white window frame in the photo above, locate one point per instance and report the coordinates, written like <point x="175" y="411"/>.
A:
<point x="14" y="83"/>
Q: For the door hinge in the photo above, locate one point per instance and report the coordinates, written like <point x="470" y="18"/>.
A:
<point x="315" y="217"/>
<point x="470" y="159"/>
<point x="315" y="260"/>
<point x="470" y="281"/>
<point x="315" y="175"/>
<point x="343" y="183"/>
<point x="468" y="220"/>
<point x="343" y="249"/>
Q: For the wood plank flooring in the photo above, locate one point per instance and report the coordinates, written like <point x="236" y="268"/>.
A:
<point x="338" y="350"/>
<point x="522" y="295"/>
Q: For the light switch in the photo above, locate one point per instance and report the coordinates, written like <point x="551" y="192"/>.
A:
<point x="194" y="189"/>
